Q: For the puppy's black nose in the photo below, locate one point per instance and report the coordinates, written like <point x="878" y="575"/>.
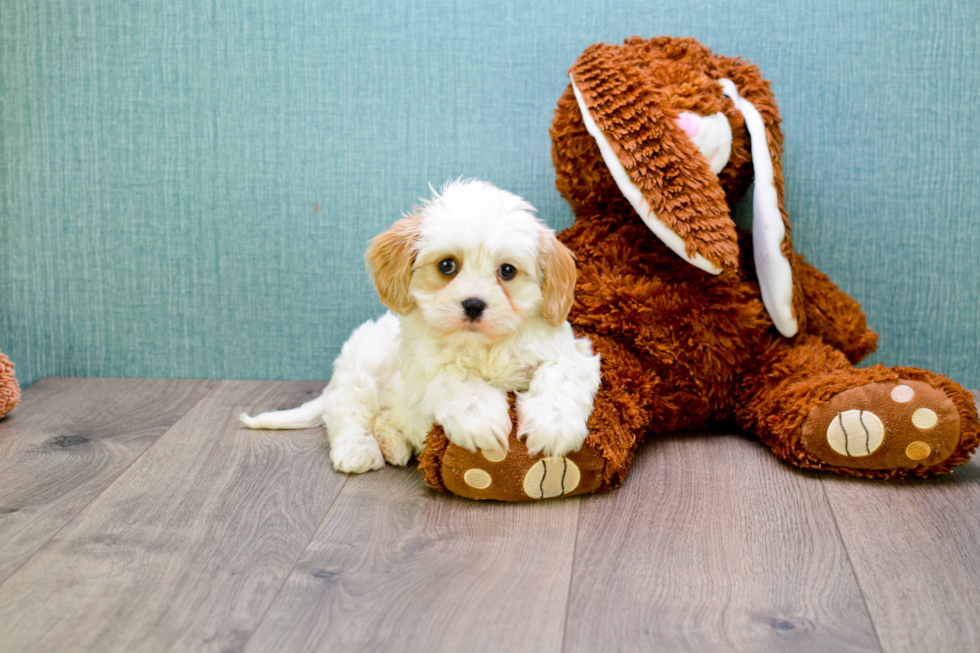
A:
<point x="473" y="307"/>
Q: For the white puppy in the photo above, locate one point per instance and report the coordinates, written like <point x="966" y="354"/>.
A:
<point x="481" y="288"/>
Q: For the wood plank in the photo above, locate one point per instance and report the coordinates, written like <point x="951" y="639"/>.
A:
<point x="914" y="548"/>
<point x="399" y="567"/>
<point x="67" y="442"/>
<point x="187" y="549"/>
<point x="713" y="544"/>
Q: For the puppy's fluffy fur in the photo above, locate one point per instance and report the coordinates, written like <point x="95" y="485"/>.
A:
<point x="481" y="289"/>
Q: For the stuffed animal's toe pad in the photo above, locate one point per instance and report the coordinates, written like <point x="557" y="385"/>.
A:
<point x="552" y="477"/>
<point x="884" y="425"/>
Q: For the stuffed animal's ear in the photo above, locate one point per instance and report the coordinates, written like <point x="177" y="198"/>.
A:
<point x="390" y="258"/>
<point x="771" y="243"/>
<point x="656" y="166"/>
<point x="771" y="246"/>
<point x="558" y="285"/>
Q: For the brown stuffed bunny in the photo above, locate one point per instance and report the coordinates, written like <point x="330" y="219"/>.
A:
<point x="653" y="142"/>
<point x="9" y="390"/>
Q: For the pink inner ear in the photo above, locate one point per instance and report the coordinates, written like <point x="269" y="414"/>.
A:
<point x="690" y="123"/>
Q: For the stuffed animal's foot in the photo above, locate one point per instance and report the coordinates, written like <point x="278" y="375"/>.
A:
<point x="888" y="425"/>
<point x="512" y="476"/>
<point x="598" y="465"/>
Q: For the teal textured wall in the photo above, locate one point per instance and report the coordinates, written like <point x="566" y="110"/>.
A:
<point x="186" y="187"/>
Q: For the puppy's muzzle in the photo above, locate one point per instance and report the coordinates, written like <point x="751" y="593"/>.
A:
<point x="473" y="308"/>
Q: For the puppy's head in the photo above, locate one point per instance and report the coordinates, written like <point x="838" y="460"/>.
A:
<point x="474" y="259"/>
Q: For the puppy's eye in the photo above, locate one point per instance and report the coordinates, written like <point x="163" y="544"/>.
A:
<point x="507" y="271"/>
<point x="447" y="266"/>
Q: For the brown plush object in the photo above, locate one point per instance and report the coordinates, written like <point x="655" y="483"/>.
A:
<point x="9" y="390"/>
<point x="682" y="347"/>
<point x="514" y="477"/>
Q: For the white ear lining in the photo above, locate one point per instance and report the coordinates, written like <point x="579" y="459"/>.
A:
<point x="634" y="195"/>
<point x="768" y="231"/>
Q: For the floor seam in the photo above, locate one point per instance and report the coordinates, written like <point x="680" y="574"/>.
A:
<point x="571" y="574"/>
<point x="850" y="563"/>
<point x="289" y="574"/>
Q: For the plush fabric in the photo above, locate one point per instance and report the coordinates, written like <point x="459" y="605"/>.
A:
<point x="9" y="389"/>
<point x="515" y="476"/>
<point x="682" y="348"/>
<point x="187" y="188"/>
<point x="692" y="348"/>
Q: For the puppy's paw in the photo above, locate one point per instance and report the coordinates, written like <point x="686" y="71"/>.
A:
<point x="356" y="455"/>
<point x="394" y="446"/>
<point x="478" y="420"/>
<point x="550" y="425"/>
<point x="395" y="451"/>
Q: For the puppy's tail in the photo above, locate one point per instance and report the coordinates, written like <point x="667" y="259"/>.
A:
<point x="303" y="417"/>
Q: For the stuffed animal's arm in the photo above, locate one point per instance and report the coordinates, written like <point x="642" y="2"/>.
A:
<point x="833" y="315"/>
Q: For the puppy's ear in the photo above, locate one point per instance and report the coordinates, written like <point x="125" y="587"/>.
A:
<point x="390" y="258"/>
<point x="558" y="286"/>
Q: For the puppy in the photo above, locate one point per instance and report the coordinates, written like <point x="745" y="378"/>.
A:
<point x="478" y="291"/>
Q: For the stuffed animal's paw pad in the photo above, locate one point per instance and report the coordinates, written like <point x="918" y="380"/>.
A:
<point x="478" y="479"/>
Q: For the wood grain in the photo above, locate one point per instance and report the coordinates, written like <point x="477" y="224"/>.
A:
<point x="915" y="548"/>
<point x="68" y="441"/>
<point x="187" y="549"/>
<point x="399" y="567"/>
<point x="713" y="544"/>
<point x="129" y="527"/>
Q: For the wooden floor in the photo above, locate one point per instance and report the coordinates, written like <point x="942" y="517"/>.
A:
<point x="137" y="515"/>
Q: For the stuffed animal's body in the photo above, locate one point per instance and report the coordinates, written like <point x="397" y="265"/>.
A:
<point x="653" y="142"/>
<point x="9" y="390"/>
